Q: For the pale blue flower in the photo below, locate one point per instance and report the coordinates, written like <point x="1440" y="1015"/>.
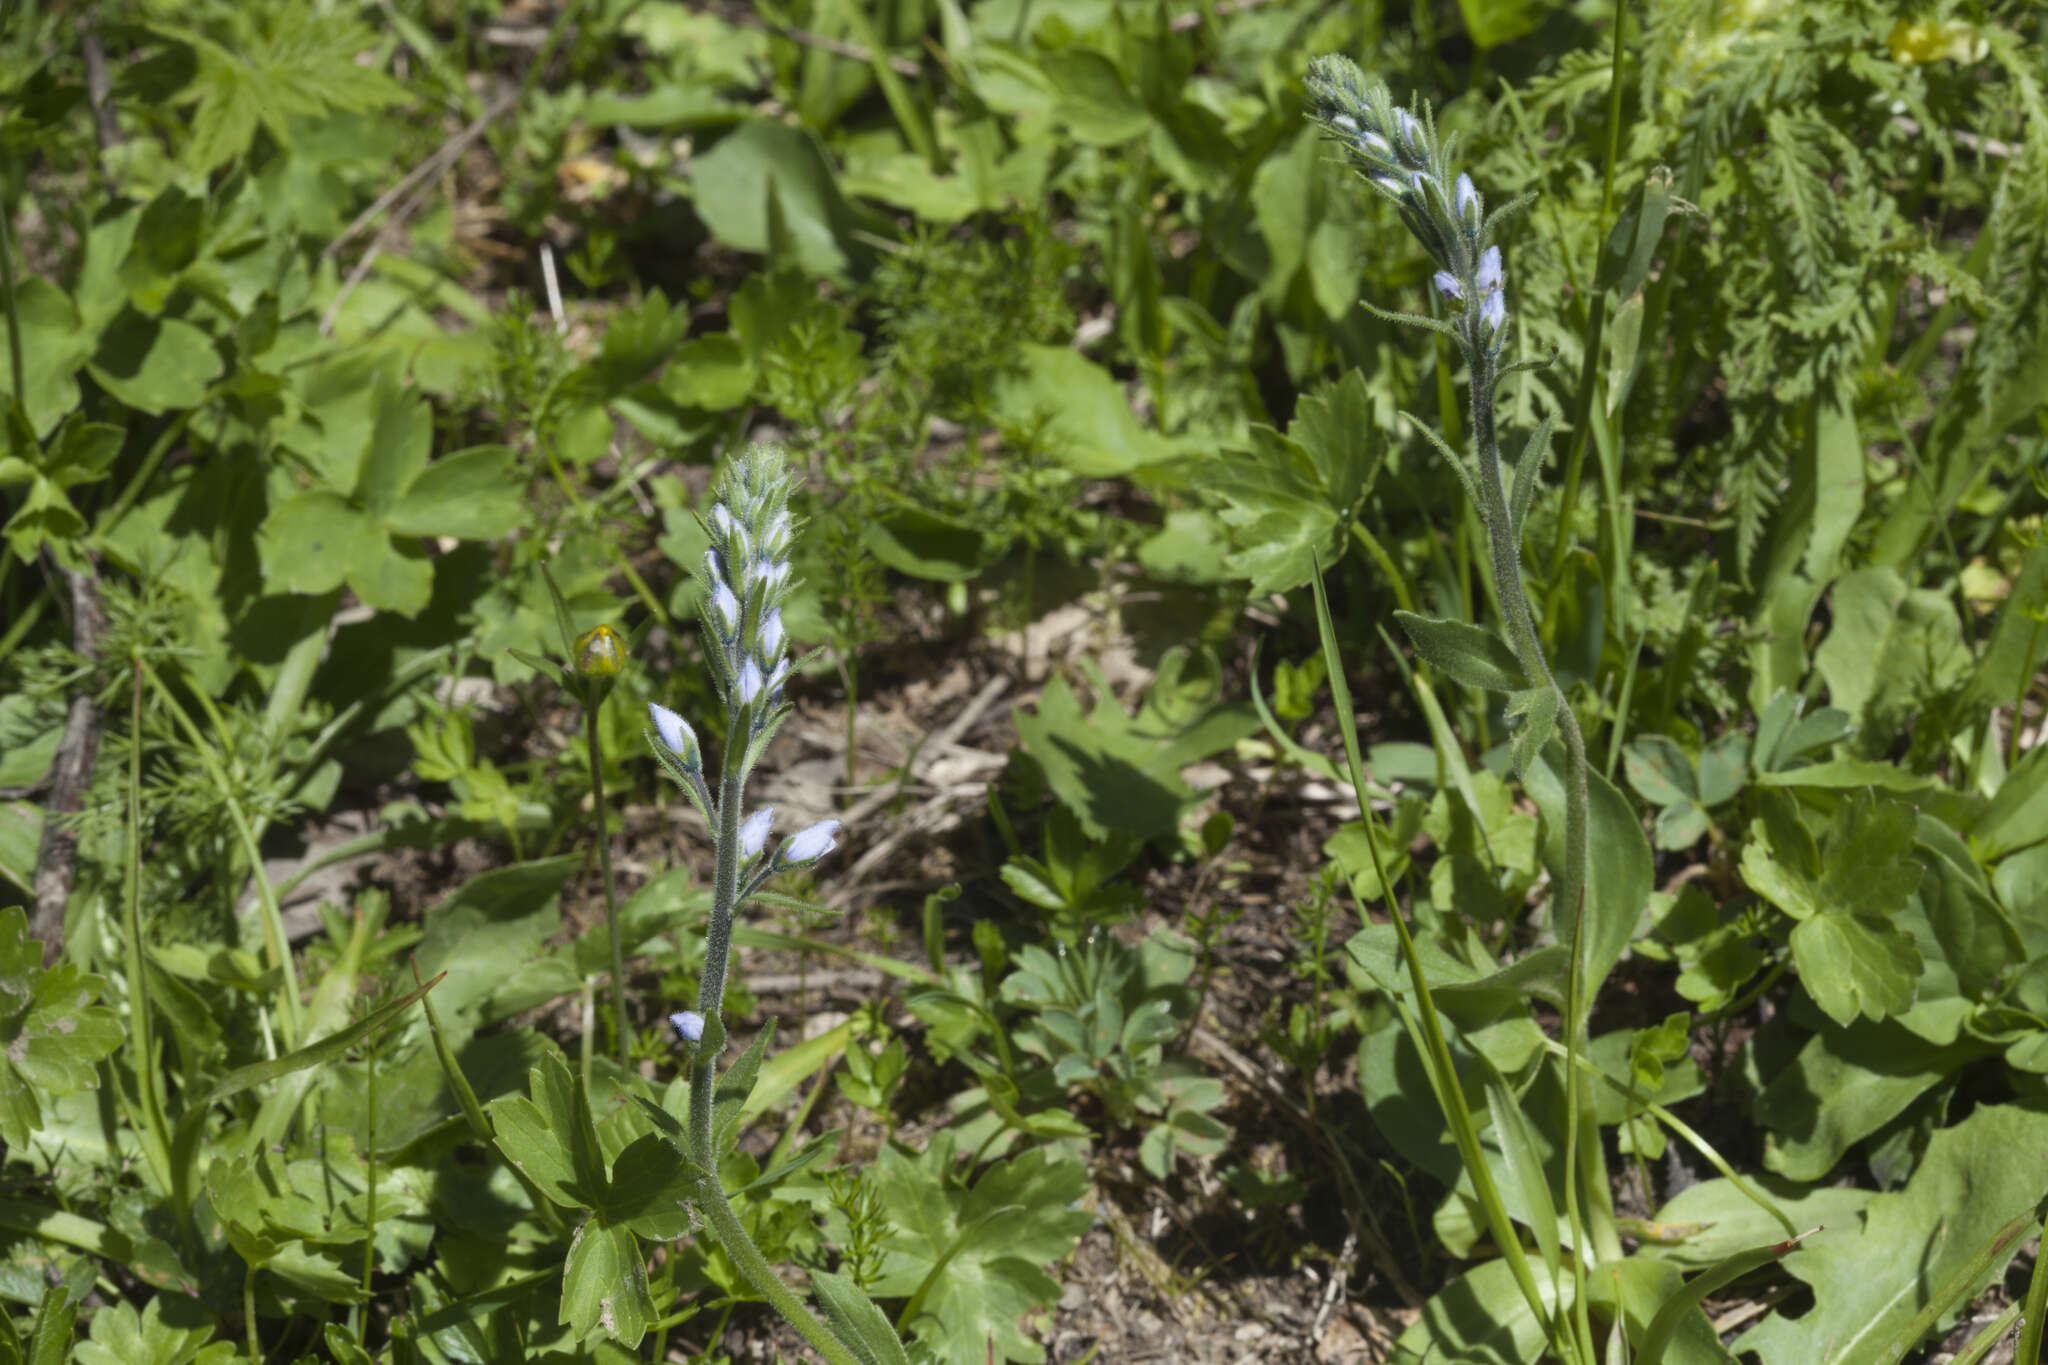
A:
<point x="688" y="1024"/>
<point x="1490" y="275"/>
<point x="728" y="605"/>
<point x="1447" y="285"/>
<point x="754" y="833"/>
<point x="675" y="732"/>
<point x="807" y="846"/>
<point x="1494" y="311"/>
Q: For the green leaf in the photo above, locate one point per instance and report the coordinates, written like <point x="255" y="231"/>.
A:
<point x="121" y="1336"/>
<point x="1288" y="498"/>
<point x="1094" y="103"/>
<point x="604" y="1285"/>
<point x="54" y="343"/>
<point x="1632" y="242"/>
<point x="395" y="576"/>
<point x="1707" y="1223"/>
<point x="922" y="543"/>
<point x="1844" y="1085"/>
<point x="763" y="159"/>
<point x="1463" y="652"/>
<point x="2017" y="815"/>
<point x="1870" y="1277"/>
<point x="299" y="64"/>
<point x="401" y="435"/>
<point x="310" y="542"/>
<point x="473" y="494"/>
<point x="1891" y="651"/>
<point x="711" y="372"/>
<point x="1481" y="1317"/>
<point x="1072" y="409"/>
<point x="1619" y="869"/>
<point x="1659" y="770"/>
<point x="856" y="1321"/>
<point x="1856" y="964"/>
<point x="992" y="1240"/>
<point x="52" y="1037"/>
<point x="1122" y="773"/>
<point x="156" y="364"/>
<point x="649" y="1188"/>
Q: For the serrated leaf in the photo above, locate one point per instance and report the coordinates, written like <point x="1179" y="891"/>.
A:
<point x="993" y="1241"/>
<point x="1856" y="964"/>
<point x="1870" y="1276"/>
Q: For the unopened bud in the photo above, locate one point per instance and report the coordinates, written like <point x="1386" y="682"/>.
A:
<point x="600" y="653"/>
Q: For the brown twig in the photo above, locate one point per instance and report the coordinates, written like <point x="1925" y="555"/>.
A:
<point x="98" y="85"/>
<point x="442" y="158"/>
<point x="57" y="857"/>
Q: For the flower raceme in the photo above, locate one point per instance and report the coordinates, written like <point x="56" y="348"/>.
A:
<point x="1401" y="156"/>
<point x="747" y="581"/>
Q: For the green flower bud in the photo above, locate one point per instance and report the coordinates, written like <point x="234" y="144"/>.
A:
<point x="600" y="653"/>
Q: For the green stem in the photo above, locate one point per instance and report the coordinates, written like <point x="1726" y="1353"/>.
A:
<point x="620" y="1034"/>
<point x="156" y="1134"/>
<point x="14" y="358"/>
<point x="1571" y="893"/>
<point x="711" y="1196"/>
<point x="2029" y="1352"/>
<point x="1441" y="1068"/>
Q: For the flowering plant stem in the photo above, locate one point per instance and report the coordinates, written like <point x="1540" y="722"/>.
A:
<point x="711" y="1197"/>
<point x="747" y="573"/>
<point x="1402" y="158"/>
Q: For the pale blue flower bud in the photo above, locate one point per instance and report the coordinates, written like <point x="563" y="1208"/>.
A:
<point x="777" y="538"/>
<point x="771" y="632"/>
<point x="1494" y="311"/>
<point x="688" y="1024"/>
<point x="1411" y="129"/>
<point x="1387" y="183"/>
<point x="1421" y="183"/>
<point x="728" y="605"/>
<point x="1490" y="274"/>
<point x="676" y="733"/>
<point x="1447" y="285"/>
<point x="1468" y="200"/>
<point x="777" y="678"/>
<point x="807" y="846"/>
<point x="754" y="833"/>
<point x="748" y="682"/>
<point x="721" y="519"/>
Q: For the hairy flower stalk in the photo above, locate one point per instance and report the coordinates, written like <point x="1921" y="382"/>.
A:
<point x="747" y="576"/>
<point x="1400" y="155"/>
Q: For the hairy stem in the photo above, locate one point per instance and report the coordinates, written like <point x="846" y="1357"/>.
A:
<point x="711" y="1196"/>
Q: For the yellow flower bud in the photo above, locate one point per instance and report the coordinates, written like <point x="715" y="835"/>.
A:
<point x="600" y="653"/>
